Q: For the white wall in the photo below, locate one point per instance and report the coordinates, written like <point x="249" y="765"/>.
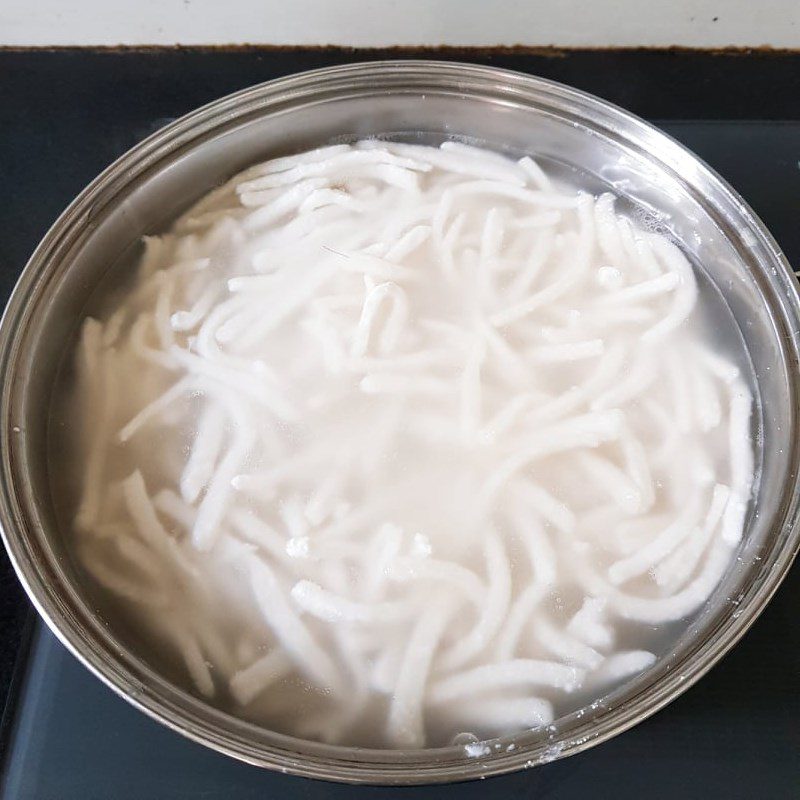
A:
<point x="702" y="23"/>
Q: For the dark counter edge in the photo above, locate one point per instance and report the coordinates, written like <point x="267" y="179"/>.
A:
<point x="159" y="83"/>
<point x="15" y="681"/>
<point x="665" y="83"/>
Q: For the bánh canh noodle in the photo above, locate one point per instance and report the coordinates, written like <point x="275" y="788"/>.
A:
<point x="395" y="445"/>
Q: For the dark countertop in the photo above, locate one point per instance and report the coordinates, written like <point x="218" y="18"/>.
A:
<point x="66" y="114"/>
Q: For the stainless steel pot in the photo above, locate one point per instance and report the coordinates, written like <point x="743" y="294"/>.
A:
<point x="91" y="245"/>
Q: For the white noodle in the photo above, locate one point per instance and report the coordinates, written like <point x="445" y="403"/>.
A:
<point x="675" y="570"/>
<point x="686" y="293"/>
<point x="287" y="162"/>
<point x="588" y="624"/>
<point x="289" y="629"/>
<point x="741" y="457"/>
<point x="143" y="513"/>
<point x="496" y="169"/>
<point x="113" y="327"/>
<point x="660" y="547"/>
<point x="380" y="557"/>
<point x="214" y="502"/>
<point x="535" y="173"/>
<point x="612" y="480"/>
<point x="256" y="531"/>
<point x="189" y="319"/>
<point x="405" y="723"/>
<point x="539" y="501"/>
<point x="103" y="388"/>
<point x="579" y="432"/>
<point x="333" y="165"/>
<point x="252" y="681"/>
<point x="204" y="454"/>
<point x="416" y="438"/>
<point x="443" y="573"/>
<point x="638" y="468"/>
<point x="139" y="555"/>
<point x="319" y="602"/>
<point x="622" y="665"/>
<point x="154" y="409"/>
<point x="643" y="291"/>
<point x="608" y="236"/>
<point x="124" y="587"/>
<point x="392" y="328"/>
<point x="705" y="400"/>
<point x="539" y="253"/>
<point x="571" y="351"/>
<point x="410" y="241"/>
<point x="192" y="656"/>
<point x="517" y="713"/>
<point x="173" y="506"/>
<point x="495" y="606"/>
<point x="579" y="262"/>
<point x="506" y="674"/>
<point x="635" y="381"/>
<point x="569" y="650"/>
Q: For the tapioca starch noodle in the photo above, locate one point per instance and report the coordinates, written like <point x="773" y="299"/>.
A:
<point x="400" y="445"/>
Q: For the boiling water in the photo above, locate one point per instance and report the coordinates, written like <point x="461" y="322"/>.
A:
<point x="389" y="444"/>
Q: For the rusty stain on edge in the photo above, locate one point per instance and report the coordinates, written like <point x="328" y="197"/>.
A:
<point x="414" y="50"/>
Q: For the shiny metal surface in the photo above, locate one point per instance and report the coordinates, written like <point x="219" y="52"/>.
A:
<point x="91" y="244"/>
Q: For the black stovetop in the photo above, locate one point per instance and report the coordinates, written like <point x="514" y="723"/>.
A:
<point x="64" y="115"/>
